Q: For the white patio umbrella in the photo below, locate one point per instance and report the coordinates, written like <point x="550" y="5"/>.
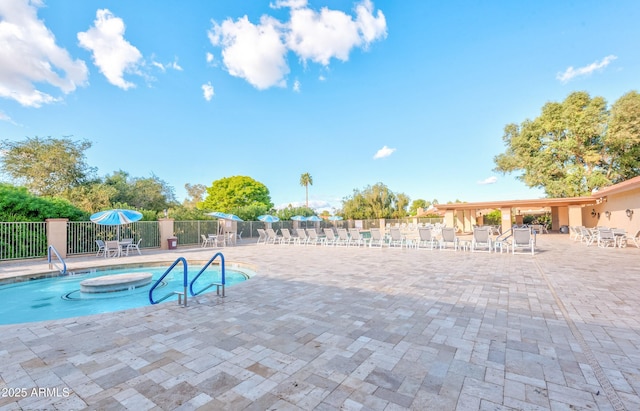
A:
<point x="117" y="216"/>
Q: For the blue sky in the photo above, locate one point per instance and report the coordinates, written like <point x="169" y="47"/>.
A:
<point x="412" y="94"/>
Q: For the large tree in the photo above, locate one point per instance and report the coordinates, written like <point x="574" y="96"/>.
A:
<point x="376" y="201"/>
<point x="306" y="180"/>
<point x="230" y="194"/>
<point x="46" y="166"/>
<point x="575" y="146"/>
<point x="141" y="193"/>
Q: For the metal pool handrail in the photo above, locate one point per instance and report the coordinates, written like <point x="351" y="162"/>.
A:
<point x="52" y="250"/>
<point x="218" y="285"/>
<point x="184" y="283"/>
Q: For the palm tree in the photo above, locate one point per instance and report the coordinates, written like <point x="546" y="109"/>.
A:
<point x="306" y="180"/>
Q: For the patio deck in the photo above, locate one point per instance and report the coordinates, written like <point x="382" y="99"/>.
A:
<point x="330" y="328"/>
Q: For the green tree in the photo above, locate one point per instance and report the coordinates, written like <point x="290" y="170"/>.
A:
<point x="416" y="204"/>
<point x="575" y="146"/>
<point x="46" y="166"/>
<point x="306" y="180"/>
<point x="196" y="194"/>
<point x="231" y="193"/>
<point x="141" y="193"/>
<point x="17" y="204"/>
<point x="376" y="201"/>
<point x="290" y="211"/>
<point x="623" y="139"/>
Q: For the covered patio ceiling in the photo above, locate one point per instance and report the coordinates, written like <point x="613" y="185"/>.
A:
<point x="522" y="204"/>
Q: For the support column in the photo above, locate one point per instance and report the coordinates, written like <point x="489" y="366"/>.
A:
<point x="57" y="235"/>
<point x="506" y="219"/>
<point x="165" y="226"/>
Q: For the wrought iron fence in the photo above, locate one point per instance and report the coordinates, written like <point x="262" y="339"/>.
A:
<point x="82" y="235"/>
<point x="23" y="240"/>
<point x="189" y="232"/>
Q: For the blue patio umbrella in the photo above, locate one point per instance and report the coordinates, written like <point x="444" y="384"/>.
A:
<point x="314" y="218"/>
<point x="117" y="216"/>
<point x="267" y="218"/>
<point x="335" y="218"/>
<point x="299" y="218"/>
<point x="225" y="216"/>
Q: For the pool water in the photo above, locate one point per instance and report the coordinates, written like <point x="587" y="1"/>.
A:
<point x="60" y="297"/>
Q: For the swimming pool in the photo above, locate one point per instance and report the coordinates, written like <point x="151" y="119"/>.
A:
<point x="60" y="297"/>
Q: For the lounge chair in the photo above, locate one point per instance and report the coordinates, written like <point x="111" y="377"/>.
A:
<point x="262" y="236"/>
<point x="302" y="236"/>
<point x="286" y="238"/>
<point x="100" y="244"/>
<point x="606" y="238"/>
<point x="330" y="237"/>
<point x="448" y="236"/>
<point x="355" y="237"/>
<point x="636" y="239"/>
<point x="522" y="239"/>
<point x="376" y="238"/>
<point x="426" y="238"/>
<point x="313" y="238"/>
<point x="272" y="237"/>
<point x="343" y="237"/>
<point x="481" y="240"/>
<point x="396" y="238"/>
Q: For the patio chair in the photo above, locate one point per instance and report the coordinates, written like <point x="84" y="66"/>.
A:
<point x="396" y="238"/>
<point x="313" y="237"/>
<point x="636" y="239"/>
<point x="286" y="238"/>
<point x="302" y="236"/>
<point x="262" y="236"/>
<point x="522" y="239"/>
<point x="134" y="246"/>
<point x="272" y="237"/>
<point x="206" y="241"/>
<point x="606" y="238"/>
<point x="355" y="237"/>
<point x="330" y="237"/>
<point x="343" y="237"/>
<point x="100" y="244"/>
<point x="112" y="249"/>
<point x="376" y="238"/>
<point x="426" y="238"/>
<point x="481" y="240"/>
<point x="448" y="236"/>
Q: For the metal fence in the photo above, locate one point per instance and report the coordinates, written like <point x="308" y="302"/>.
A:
<point x="23" y="240"/>
<point x="82" y="235"/>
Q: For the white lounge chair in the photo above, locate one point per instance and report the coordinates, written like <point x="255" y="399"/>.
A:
<point x="522" y="239"/>
<point x="636" y="239"/>
<point x="376" y="238"/>
<point x="286" y="238"/>
<point x="426" y="238"/>
<point x="606" y="238"/>
<point x="448" y="236"/>
<point x="343" y="237"/>
<point x="313" y="237"/>
<point x="262" y="236"/>
<point x="355" y="237"/>
<point x="396" y="238"/>
<point x="272" y="237"/>
<point x="330" y="237"/>
<point x="481" y="240"/>
<point x="302" y="236"/>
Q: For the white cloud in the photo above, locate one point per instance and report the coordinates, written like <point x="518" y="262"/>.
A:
<point x="163" y="67"/>
<point x="112" y="54"/>
<point x="384" y="152"/>
<point x="297" y="87"/>
<point x="4" y="117"/>
<point x="293" y="4"/>
<point x="208" y="92"/>
<point x="571" y="73"/>
<point x="209" y="58"/>
<point x="29" y="56"/>
<point x="257" y="53"/>
<point x="489" y="180"/>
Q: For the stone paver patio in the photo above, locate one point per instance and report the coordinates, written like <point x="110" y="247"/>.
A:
<point x="335" y="328"/>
